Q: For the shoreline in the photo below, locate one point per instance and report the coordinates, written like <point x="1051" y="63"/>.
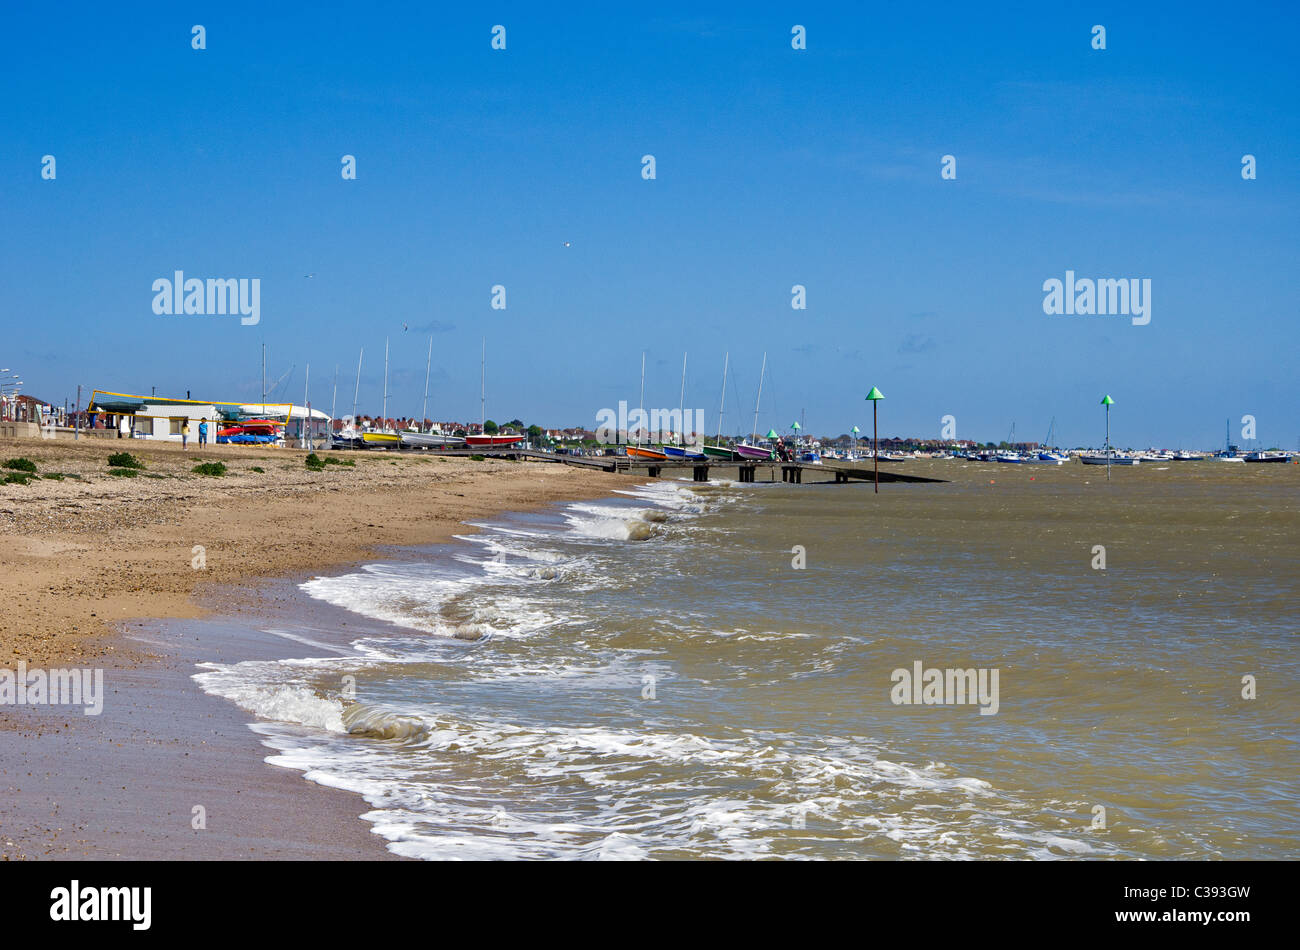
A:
<point x="94" y="550"/>
<point x="101" y="571"/>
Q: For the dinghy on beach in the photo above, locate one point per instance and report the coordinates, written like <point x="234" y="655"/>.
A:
<point x="421" y="440"/>
<point x="754" y="452"/>
<point x="492" y="441"/>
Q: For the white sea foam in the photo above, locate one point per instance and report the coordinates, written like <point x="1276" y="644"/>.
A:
<point x="267" y="690"/>
<point x="527" y="748"/>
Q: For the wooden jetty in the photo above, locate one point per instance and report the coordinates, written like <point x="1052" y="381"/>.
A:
<point x="837" y="470"/>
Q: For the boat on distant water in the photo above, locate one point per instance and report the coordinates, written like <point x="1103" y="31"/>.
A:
<point x="755" y="452"/>
<point x="1229" y="453"/>
<point x="1050" y="456"/>
<point x="640" y="452"/>
<point x="1188" y="457"/>
<point x="492" y="441"/>
<point x="1038" y="458"/>
<point x="1114" y="459"/>
<point x="1268" y="457"/>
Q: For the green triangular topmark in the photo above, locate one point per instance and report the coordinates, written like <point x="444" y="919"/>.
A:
<point x="855" y="430"/>
<point x="875" y="394"/>
<point x="795" y="425"/>
<point x="771" y="434"/>
<point x="1107" y="401"/>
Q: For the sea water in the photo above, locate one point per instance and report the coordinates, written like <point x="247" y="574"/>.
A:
<point x="699" y="671"/>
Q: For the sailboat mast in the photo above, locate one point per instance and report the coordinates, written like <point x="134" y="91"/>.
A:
<point x="754" y="434"/>
<point x="640" y="429"/>
<point x="334" y="399"/>
<point x="357" y="390"/>
<point x="726" y="363"/>
<point x="383" y="422"/>
<point x="482" y="389"/>
<point x="424" y="406"/>
<point x="681" y="405"/>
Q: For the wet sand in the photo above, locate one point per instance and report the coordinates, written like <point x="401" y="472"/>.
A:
<point x="126" y="784"/>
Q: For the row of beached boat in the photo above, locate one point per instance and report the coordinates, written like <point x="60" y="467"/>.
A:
<point x="716" y="453"/>
<point x="365" y="438"/>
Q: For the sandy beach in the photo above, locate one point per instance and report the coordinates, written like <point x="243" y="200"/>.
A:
<point x="84" y="553"/>
<point x="93" y="561"/>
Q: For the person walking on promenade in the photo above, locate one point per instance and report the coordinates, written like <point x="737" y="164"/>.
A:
<point x="203" y="433"/>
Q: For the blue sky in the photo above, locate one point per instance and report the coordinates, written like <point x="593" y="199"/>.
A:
<point x="775" y="167"/>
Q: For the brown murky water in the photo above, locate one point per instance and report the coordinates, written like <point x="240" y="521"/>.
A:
<point x="698" y="694"/>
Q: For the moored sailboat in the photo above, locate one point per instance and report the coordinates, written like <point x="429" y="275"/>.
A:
<point x="1113" y="459"/>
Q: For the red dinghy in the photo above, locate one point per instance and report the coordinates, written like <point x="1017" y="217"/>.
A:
<point x="252" y="427"/>
<point x="492" y="441"/>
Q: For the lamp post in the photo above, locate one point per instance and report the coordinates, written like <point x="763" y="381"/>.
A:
<point x="874" y="398"/>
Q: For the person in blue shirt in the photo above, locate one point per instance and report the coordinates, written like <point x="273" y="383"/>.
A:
<point x="203" y="432"/>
